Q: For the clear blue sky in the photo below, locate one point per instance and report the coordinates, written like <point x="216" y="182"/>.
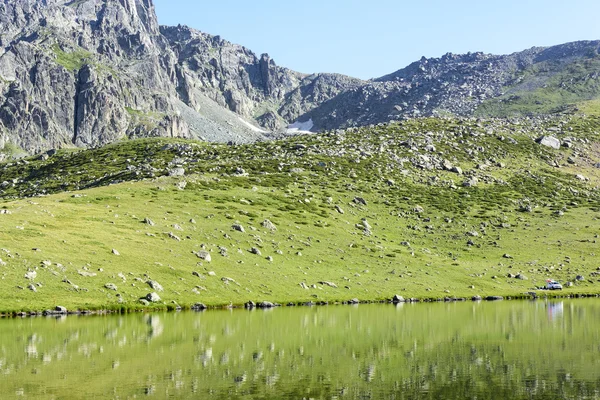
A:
<point x="371" y="38"/>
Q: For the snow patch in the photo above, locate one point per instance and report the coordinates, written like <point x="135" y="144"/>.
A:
<point x="252" y="127"/>
<point x="300" y="127"/>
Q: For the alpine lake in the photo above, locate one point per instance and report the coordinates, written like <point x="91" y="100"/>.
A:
<point x="542" y="349"/>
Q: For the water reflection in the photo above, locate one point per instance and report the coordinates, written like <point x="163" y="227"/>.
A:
<point x="528" y="350"/>
<point x="555" y="310"/>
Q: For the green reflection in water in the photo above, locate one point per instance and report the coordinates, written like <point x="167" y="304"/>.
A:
<point x="506" y="350"/>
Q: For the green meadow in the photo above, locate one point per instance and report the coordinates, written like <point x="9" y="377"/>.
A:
<point x="426" y="208"/>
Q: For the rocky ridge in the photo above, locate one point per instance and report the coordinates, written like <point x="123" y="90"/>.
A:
<point x="90" y="72"/>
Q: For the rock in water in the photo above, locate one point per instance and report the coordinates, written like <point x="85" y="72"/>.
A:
<point x="397" y="299"/>
<point x="60" y="310"/>
<point x="199" y="307"/>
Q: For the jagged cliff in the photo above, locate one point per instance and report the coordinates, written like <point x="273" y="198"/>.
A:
<point x="89" y="72"/>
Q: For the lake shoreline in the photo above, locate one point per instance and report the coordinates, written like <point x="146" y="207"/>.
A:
<point x="59" y="311"/>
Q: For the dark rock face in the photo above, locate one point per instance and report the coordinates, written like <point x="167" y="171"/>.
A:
<point x="252" y="86"/>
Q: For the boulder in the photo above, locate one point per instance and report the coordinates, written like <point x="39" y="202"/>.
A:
<point x="199" y="307"/>
<point x="494" y="298"/>
<point x="177" y="172"/>
<point x="60" y="310"/>
<point x="155" y="285"/>
<point x="238" y="227"/>
<point x="204" y="255"/>
<point x="549" y="141"/>
<point x="397" y="299"/>
<point x="267" y="224"/>
<point x="152" y="297"/>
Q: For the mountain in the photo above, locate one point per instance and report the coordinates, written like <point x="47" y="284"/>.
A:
<point x="90" y="72"/>
<point x="538" y="81"/>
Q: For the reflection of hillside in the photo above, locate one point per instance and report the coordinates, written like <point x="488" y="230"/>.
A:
<point x="501" y="350"/>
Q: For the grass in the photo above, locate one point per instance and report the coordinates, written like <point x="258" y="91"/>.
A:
<point x="429" y="237"/>
<point x="73" y="60"/>
<point x="547" y="87"/>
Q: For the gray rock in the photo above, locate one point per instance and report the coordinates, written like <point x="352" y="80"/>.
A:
<point x="152" y="297"/>
<point x="199" y="307"/>
<point x="353" y="301"/>
<point x="330" y="284"/>
<point x="360" y="201"/>
<point x="494" y="298"/>
<point x="31" y="275"/>
<point x="397" y="299"/>
<point x="177" y="172"/>
<point x="267" y="224"/>
<point x="549" y="141"/>
<point x="265" y="304"/>
<point x="238" y="227"/>
<point x="60" y="310"/>
<point x="111" y="286"/>
<point x="471" y="182"/>
<point x="204" y="255"/>
<point x="155" y="285"/>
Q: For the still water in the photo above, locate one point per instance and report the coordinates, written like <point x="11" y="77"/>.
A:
<point x="501" y="350"/>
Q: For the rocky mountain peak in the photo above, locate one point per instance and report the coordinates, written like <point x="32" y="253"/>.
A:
<point x="89" y="72"/>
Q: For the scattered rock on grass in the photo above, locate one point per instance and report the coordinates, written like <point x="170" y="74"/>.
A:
<point x="267" y="224"/>
<point x="204" y="255"/>
<point x="155" y="285"/>
<point x="152" y="297"/>
<point x="238" y="227"/>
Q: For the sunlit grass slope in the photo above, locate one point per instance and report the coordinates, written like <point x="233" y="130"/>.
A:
<point x="425" y="208"/>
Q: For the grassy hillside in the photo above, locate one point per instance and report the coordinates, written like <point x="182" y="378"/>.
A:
<point x="427" y="208"/>
<point x="547" y="87"/>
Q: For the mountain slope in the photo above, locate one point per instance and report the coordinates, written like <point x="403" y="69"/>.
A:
<point x="90" y="72"/>
<point x="427" y="208"/>
<point x="472" y="84"/>
<point x="87" y="73"/>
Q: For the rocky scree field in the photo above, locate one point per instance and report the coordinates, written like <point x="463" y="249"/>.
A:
<point x="424" y="208"/>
